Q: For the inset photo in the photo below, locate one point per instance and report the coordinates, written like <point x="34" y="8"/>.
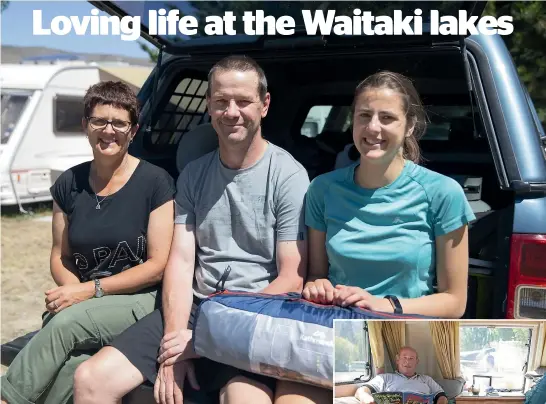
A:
<point x="439" y="362"/>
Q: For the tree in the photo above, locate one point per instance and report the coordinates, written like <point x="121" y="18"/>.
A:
<point x="476" y="338"/>
<point x="345" y="354"/>
<point x="351" y="338"/>
<point x="152" y="52"/>
<point x="3" y="5"/>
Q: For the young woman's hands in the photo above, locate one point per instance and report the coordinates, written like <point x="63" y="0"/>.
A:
<point x="353" y="296"/>
<point x="319" y="291"/>
<point x="323" y="292"/>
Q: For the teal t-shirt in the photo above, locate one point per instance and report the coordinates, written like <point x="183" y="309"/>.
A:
<point x="383" y="240"/>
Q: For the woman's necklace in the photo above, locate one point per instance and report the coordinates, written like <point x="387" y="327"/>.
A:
<point x="97" y="207"/>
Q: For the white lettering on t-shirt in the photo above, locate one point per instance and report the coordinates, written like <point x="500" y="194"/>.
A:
<point x="123" y="252"/>
<point x="100" y="254"/>
<point x="81" y="262"/>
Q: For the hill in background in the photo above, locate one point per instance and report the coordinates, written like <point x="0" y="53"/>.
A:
<point x="15" y="54"/>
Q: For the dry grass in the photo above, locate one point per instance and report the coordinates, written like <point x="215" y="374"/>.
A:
<point x="26" y="244"/>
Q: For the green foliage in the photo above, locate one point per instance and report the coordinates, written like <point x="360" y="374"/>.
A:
<point x="354" y="332"/>
<point x="3" y="5"/>
<point x="345" y="354"/>
<point x="351" y="344"/>
<point x="476" y="338"/>
<point x="150" y="50"/>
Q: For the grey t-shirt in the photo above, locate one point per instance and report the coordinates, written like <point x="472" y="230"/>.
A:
<point x="392" y="382"/>
<point x="239" y="215"/>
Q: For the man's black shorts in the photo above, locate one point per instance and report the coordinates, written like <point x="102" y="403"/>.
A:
<point x="140" y="344"/>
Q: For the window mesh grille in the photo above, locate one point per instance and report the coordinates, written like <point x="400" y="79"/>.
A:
<point x="185" y="110"/>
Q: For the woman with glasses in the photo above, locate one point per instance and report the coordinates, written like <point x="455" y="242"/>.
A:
<point x="112" y="231"/>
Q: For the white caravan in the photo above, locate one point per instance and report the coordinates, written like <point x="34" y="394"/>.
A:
<point x="41" y="134"/>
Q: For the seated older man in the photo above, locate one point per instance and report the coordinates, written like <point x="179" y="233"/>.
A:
<point x="405" y="379"/>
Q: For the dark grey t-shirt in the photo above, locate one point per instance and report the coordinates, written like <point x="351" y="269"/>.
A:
<point x="239" y="215"/>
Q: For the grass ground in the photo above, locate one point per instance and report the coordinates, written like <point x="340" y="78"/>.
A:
<point x="26" y="245"/>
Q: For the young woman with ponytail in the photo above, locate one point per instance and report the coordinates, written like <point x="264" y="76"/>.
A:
<point x="386" y="233"/>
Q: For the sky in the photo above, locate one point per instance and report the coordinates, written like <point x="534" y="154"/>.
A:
<point x="16" y="21"/>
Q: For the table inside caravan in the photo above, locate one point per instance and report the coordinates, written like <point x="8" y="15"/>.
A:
<point x="482" y="399"/>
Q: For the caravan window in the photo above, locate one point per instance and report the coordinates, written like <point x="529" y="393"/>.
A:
<point x="13" y="105"/>
<point x="495" y="356"/>
<point x="67" y="115"/>
<point x="352" y="352"/>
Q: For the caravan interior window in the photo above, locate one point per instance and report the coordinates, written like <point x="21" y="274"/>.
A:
<point x="13" y="105"/>
<point x="68" y="112"/>
<point x="495" y="356"/>
<point x="352" y="352"/>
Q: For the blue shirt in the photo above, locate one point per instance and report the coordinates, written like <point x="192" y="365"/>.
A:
<point x="383" y="240"/>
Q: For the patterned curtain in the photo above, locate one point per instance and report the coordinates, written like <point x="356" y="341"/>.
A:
<point x="394" y="334"/>
<point x="445" y="338"/>
<point x="376" y="345"/>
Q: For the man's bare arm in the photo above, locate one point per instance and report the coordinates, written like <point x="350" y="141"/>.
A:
<point x="291" y="248"/>
<point x="291" y="267"/>
<point x="442" y="400"/>
<point x="347" y="390"/>
<point x="178" y="279"/>
<point x="177" y="302"/>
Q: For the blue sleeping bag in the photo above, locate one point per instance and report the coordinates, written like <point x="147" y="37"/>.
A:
<point x="281" y="336"/>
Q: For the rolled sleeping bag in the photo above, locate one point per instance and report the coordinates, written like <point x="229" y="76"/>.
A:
<point x="281" y="336"/>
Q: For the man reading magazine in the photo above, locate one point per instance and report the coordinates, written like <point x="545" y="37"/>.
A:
<point x="406" y="384"/>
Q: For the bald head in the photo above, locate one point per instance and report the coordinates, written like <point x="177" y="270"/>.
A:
<point x="406" y="361"/>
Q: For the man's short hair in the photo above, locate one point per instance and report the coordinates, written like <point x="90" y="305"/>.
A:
<point x="410" y="349"/>
<point x="240" y="63"/>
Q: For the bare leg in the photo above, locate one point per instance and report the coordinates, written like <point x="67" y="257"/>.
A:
<point x="297" y="393"/>
<point x="105" y="378"/>
<point x="242" y="390"/>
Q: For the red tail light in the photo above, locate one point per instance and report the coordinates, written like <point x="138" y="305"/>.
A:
<point x="527" y="277"/>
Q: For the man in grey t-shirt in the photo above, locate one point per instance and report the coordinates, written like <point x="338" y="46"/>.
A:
<point x="241" y="216"/>
<point x="405" y="379"/>
<point x="238" y="207"/>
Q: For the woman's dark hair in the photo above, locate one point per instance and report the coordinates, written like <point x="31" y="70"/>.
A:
<point x="415" y="112"/>
<point x="115" y="93"/>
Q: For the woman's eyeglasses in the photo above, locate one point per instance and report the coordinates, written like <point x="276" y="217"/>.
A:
<point x="117" y="124"/>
